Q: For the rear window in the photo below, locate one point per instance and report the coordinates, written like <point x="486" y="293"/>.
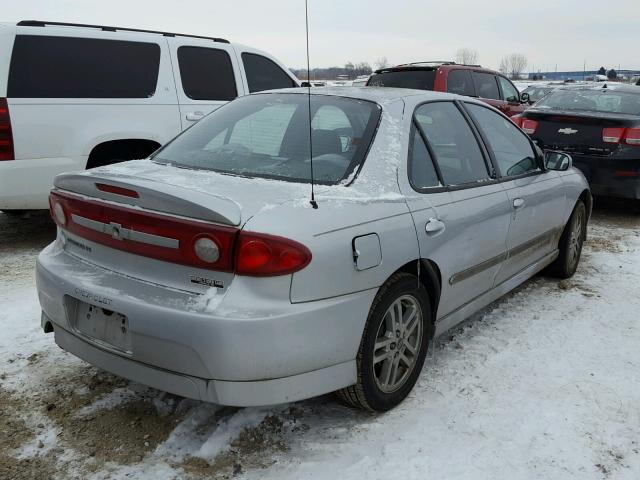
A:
<point x="268" y="136"/>
<point x="206" y="73"/>
<point x="264" y="74"/>
<point x="65" y="67"/>
<point x="417" y="79"/>
<point x="601" y="100"/>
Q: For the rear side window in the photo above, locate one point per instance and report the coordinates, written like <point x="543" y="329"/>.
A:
<point x="207" y="74"/>
<point x="422" y="172"/>
<point x="486" y="86"/>
<point x="509" y="92"/>
<point x="512" y="150"/>
<point x="460" y="82"/>
<point x="66" y="67"/>
<point x="417" y="79"/>
<point x="457" y="152"/>
<point x="264" y="74"/>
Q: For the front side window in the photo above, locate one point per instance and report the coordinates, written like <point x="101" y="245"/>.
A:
<point x="486" y="86"/>
<point x="70" y="67"/>
<point x="268" y="136"/>
<point x="460" y="82"/>
<point x="206" y="73"/>
<point x="454" y="145"/>
<point x="264" y="74"/>
<point x="417" y="79"/>
<point x="509" y="92"/>
<point x="512" y="149"/>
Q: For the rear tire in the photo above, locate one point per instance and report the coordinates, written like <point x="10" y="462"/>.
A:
<point x="393" y="346"/>
<point x="570" y="244"/>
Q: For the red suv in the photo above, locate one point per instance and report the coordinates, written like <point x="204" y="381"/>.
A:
<point x="470" y="80"/>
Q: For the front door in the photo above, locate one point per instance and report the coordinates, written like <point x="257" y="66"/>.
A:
<point x="535" y="195"/>
<point x="510" y="95"/>
<point x="461" y="216"/>
<point x="206" y="75"/>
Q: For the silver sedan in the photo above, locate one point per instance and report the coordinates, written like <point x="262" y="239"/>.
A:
<point x="207" y="271"/>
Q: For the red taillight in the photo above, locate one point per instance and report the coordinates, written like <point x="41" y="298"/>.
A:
<point x="632" y="136"/>
<point x="262" y="255"/>
<point x="123" y="192"/>
<point x="6" y="135"/>
<point x="612" y="135"/>
<point x="153" y="235"/>
<point x="517" y="119"/>
<point x="178" y="240"/>
<point x="529" y="126"/>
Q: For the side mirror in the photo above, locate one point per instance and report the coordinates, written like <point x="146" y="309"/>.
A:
<point x="525" y="98"/>
<point x="558" y="161"/>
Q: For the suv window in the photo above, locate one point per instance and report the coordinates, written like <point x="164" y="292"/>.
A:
<point x="406" y="78"/>
<point x="460" y="82"/>
<point x="512" y="149"/>
<point x="206" y="73"/>
<point x="509" y="92"/>
<point x="422" y="172"/>
<point x="264" y="74"/>
<point x="67" y="67"/>
<point x="486" y="86"/>
<point x="453" y="143"/>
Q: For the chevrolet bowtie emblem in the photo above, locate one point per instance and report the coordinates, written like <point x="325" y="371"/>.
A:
<point x="567" y="131"/>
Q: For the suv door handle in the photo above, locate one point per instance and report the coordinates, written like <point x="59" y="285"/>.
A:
<point x="194" y="116"/>
<point x="518" y="203"/>
<point x="434" y="226"/>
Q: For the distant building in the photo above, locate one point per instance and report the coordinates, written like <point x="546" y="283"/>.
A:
<point x="579" y="75"/>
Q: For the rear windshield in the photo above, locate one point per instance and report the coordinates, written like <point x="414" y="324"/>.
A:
<point x="268" y="136"/>
<point x="603" y="100"/>
<point x="417" y="79"/>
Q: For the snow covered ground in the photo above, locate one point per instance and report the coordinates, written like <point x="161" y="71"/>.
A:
<point x="544" y="384"/>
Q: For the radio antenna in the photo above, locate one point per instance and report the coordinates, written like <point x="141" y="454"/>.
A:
<point x="313" y="202"/>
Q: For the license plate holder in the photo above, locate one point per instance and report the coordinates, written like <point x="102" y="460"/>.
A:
<point x="103" y="326"/>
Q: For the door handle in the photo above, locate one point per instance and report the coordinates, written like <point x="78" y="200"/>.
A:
<point x="518" y="203"/>
<point x="194" y="116"/>
<point x="434" y="226"/>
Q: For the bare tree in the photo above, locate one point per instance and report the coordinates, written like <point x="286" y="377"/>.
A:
<point x="467" y="56"/>
<point x="382" y="62"/>
<point x="513" y="65"/>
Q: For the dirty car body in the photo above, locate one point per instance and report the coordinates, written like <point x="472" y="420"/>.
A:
<point x="275" y="311"/>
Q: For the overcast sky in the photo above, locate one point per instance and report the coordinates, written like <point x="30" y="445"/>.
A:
<point x="561" y="32"/>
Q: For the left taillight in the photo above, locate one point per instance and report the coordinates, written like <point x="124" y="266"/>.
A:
<point x="6" y="134"/>
<point x="526" y="125"/>
<point x="260" y="255"/>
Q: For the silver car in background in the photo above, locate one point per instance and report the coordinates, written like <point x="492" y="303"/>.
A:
<point x="205" y="271"/>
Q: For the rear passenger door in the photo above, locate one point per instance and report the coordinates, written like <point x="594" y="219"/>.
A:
<point x="536" y="196"/>
<point x="461" y="214"/>
<point x="206" y="75"/>
<point x="488" y="91"/>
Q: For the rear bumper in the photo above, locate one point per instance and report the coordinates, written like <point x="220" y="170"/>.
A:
<point x="610" y="177"/>
<point x="248" y="351"/>
<point x="25" y="184"/>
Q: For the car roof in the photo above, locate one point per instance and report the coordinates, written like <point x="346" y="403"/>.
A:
<point x="604" y="86"/>
<point x="373" y="94"/>
<point x="434" y="66"/>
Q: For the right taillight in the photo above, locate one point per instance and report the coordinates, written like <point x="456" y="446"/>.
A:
<point x="6" y="135"/>
<point x="632" y="136"/>
<point x="261" y="255"/>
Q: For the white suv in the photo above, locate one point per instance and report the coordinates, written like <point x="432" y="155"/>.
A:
<point x="80" y="96"/>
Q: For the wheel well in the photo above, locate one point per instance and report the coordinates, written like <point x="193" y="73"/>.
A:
<point x="429" y="275"/>
<point x="116" y="151"/>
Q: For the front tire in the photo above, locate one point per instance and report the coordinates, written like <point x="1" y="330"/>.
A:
<point x="570" y="245"/>
<point x="393" y="346"/>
